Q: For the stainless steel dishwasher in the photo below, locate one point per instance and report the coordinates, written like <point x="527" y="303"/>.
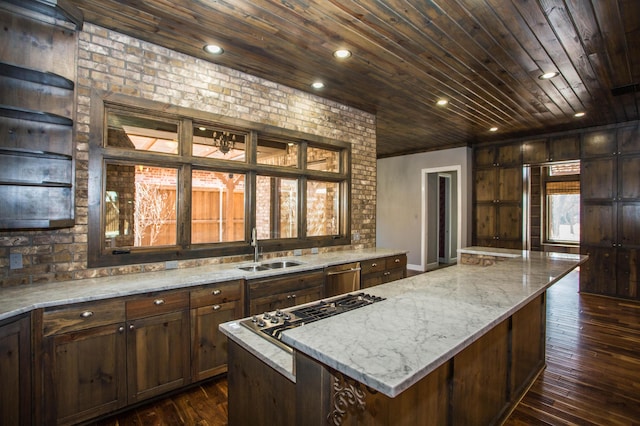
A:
<point x="342" y="279"/>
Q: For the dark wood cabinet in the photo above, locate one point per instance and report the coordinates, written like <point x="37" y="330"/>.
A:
<point x="15" y="371"/>
<point x="535" y="152"/>
<point x="610" y="218"/>
<point x="158" y="343"/>
<point x="564" y="148"/>
<point x="498" y="199"/>
<point x="283" y="291"/>
<point x="211" y="306"/>
<point x="83" y="365"/>
<point x="37" y="98"/>
<point x="380" y="271"/>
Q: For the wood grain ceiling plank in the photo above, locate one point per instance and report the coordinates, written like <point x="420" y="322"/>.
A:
<point x="424" y="74"/>
<point x="544" y="97"/>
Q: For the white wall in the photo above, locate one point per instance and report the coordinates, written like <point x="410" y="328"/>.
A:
<point x="399" y="193"/>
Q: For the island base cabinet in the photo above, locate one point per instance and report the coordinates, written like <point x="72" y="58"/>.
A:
<point x="258" y="395"/>
<point x="15" y="372"/>
<point x="477" y="386"/>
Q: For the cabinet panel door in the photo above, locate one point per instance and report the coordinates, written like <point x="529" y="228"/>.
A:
<point x="209" y="345"/>
<point x="157" y="354"/>
<point x="485" y="185"/>
<point x="509" y="155"/>
<point x="598" y="273"/>
<point x="485" y="221"/>
<point x="86" y="376"/>
<point x="534" y="152"/>
<point x="629" y="139"/>
<point x="509" y="222"/>
<point x="597" y="179"/>
<point x="510" y="184"/>
<point x="597" y="224"/>
<point x="599" y="143"/>
<point x="15" y="373"/>
<point x="629" y="224"/>
<point x="270" y="303"/>
<point x="629" y="175"/>
<point x="564" y="148"/>
<point x="627" y="273"/>
<point x="485" y="157"/>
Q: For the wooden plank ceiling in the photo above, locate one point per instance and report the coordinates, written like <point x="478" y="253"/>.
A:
<point x="484" y="56"/>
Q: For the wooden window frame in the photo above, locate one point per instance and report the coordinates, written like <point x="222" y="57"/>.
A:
<point x="544" y="179"/>
<point x="100" y="154"/>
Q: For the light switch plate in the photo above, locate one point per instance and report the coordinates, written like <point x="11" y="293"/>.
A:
<point x="297" y="252"/>
<point x="15" y="261"/>
<point x="171" y="264"/>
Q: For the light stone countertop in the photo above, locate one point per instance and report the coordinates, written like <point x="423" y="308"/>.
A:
<point x="424" y="321"/>
<point x="21" y="299"/>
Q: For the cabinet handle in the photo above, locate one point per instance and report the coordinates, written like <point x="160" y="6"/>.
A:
<point x="291" y="296"/>
<point x="216" y="292"/>
<point x="397" y="260"/>
<point x="132" y="327"/>
<point x="86" y="314"/>
<point x="373" y="265"/>
<point x="387" y="273"/>
<point x="121" y="329"/>
<point x="158" y="302"/>
<point x="216" y="307"/>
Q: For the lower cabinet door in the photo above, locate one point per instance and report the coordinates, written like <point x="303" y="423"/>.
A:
<point x="209" y="345"/>
<point x="84" y="374"/>
<point x="157" y="354"/>
<point x="15" y="372"/>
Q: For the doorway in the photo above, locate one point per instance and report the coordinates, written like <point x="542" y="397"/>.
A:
<point x="441" y="216"/>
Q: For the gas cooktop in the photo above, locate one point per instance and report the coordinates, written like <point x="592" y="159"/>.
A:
<point x="270" y="325"/>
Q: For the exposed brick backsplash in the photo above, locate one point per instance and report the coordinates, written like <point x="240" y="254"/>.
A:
<point x="121" y="64"/>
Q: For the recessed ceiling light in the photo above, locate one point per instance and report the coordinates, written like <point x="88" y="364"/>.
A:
<point x="317" y="85"/>
<point x="548" y="75"/>
<point x="214" y="49"/>
<point x="579" y="114"/>
<point x="442" y="102"/>
<point x="493" y="129"/>
<point x="342" y="53"/>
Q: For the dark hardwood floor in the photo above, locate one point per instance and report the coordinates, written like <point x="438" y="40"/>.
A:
<point x="592" y="375"/>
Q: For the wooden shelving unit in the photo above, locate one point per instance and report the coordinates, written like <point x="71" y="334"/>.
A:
<point x="37" y="92"/>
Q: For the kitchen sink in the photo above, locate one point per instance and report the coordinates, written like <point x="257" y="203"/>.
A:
<point x="278" y="264"/>
<point x="281" y="264"/>
<point x="253" y="268"/>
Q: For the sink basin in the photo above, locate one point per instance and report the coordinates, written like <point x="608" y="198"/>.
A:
<point x="253" y="268"/>
<point x="277" y="264"/>
<point x="281" y="264"/>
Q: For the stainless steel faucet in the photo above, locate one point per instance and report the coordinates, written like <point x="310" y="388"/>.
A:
<point x="254" y="244"/>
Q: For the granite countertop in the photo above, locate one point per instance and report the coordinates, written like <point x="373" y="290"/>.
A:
<point x="424" y="321"/>
<point x="21" y="299"/>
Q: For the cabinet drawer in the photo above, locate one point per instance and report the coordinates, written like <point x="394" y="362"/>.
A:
<point x="82" y="316"/>
<point x="157" y="303"/>
<point x="396" y="262"/>
<point x="373" y="265"/>
<point x="285" y="284"/>
<point x="216" y="294"/>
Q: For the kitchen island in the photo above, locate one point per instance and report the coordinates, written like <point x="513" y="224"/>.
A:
<point x="458" y="345"/>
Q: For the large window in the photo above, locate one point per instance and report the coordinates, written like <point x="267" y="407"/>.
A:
<point x="562" y="203"/>
<point x="175" y="187"/>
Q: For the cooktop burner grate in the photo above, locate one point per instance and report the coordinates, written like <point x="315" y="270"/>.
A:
<point x="271" y="324"/>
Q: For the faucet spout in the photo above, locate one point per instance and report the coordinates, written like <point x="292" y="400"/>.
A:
<point x="254" y="244"/>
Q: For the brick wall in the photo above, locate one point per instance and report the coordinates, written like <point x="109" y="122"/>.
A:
<point x="111" y="61"/>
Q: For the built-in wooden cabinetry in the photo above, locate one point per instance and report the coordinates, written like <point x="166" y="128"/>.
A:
<point x="610" y="193"/>
<point x="37" y="98"/>
<point x="15" y="371"/>
<point x="83" y="361"/>
<point x="383" y="270"/>
<point x="212" y="305"/>
<point x="158" y="344"/>
<point x="101" y="356"/>
<point x="610" y="200"/>
<point x="283" y="291"/>
<point x="498" y="196"/>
